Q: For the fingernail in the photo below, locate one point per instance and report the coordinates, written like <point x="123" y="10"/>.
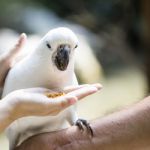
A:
<point x="94" y="89"/>
<point x="98" y="86"/>
<point x="23" y="35"/>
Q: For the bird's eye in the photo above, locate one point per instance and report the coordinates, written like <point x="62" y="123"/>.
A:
<point x="48" y="45"/>
<point x="76" y="46"/>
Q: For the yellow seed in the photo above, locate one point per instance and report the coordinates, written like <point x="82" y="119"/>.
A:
<point x="54" y="95"/>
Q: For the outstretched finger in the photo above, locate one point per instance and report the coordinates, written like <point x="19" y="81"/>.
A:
<point x="73" y="87"/>
<point x="69" y="89"/>
<point x="16" y="49"/>
<point x="72" y="97"/>
<point x="83" y="92"/>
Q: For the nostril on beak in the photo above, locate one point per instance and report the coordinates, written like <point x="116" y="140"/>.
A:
<point x="61" y="47"/>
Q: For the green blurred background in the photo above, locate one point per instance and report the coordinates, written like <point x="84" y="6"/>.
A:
<point x="114" y="37"/>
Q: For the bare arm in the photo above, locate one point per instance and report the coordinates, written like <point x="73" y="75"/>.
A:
<point x="7" y="59"/>
<point x="128" y="129"/>
<point x="20" y="103"/>
<point x="6" y="62"/>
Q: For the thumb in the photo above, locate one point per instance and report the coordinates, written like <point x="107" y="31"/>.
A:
<point x="17" y="48"/>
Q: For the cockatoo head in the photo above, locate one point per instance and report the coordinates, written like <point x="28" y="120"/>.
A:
<point x="59" y="45"/>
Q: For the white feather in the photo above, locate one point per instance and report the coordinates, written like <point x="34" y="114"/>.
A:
<point x="38" y="70"/>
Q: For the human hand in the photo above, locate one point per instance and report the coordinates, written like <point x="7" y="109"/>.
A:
<point x="7" y="59"/>
<point x="33" y="102"/>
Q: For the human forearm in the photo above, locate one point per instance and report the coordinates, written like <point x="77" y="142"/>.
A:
<point x="125" y="130"/>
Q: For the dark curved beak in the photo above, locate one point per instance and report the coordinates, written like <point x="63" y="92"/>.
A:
<point x="62" y="57"/>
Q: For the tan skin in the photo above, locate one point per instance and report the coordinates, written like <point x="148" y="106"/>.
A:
<point x="128" y="129"/>
<point x="7" y="59"/>
<point x="20" y="103"/>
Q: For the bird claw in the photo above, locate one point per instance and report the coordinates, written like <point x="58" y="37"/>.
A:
<point x="81" y="123"/>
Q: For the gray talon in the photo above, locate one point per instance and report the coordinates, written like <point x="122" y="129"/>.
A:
<point x="81" y="123"/>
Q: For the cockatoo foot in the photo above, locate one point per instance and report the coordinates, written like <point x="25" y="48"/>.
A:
<point x="81" y="123"/>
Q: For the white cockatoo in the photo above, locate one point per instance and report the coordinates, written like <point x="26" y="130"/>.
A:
<point x="50" y="65"/>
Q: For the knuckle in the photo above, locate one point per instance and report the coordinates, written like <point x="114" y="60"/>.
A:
<point x="63" y="103"/>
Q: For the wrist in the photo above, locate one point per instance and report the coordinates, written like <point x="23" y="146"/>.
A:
<point x="10" y="108"/>
<point x="6" y="117"/>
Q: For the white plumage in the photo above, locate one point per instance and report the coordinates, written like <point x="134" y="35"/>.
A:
<point x="50" y="65"/>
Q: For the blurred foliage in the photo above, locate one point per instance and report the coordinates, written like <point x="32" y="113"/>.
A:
<point x="120" y="24"/>
<point x="92" y="13"/>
